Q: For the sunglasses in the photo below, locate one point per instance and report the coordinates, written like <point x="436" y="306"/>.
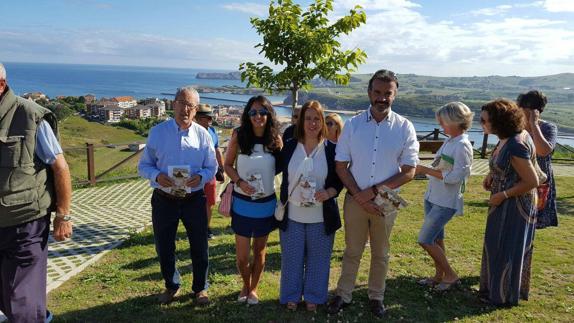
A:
<point x="330" y="124"/>
<point x="254" y="112"/>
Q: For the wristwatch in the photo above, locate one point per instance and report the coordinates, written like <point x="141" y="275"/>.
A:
<point x="64" y="217"/>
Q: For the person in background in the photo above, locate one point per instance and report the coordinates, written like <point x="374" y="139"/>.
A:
<point x="544" y="136"/>
<point x="389" y="159"/>
<point x="204" y="117"/>
<point x="444" y="195"/>
<point x="180" y="142"/>
<point x="290" y="131"/>
<point x="250" y="163"/>
<point x="512" y="182"/>
<point x="34" y="181"/>
<point x="335" y="126"/>
<point x="308" y="228"/>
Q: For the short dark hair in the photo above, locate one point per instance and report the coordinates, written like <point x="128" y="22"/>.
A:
<point x="505" y="118"/>
<point x="534" y="100"/>
<point x="384" y="76"/>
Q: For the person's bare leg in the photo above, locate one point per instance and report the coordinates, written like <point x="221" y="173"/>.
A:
<point x="242" y="250"/>
<point x="441" y="263"/>
<point x="259" y="252"/>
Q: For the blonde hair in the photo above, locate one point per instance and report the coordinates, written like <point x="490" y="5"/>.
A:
<point x="456" y="113"/>
<point x="338" y="120"/>
<point x="2" y="72"/>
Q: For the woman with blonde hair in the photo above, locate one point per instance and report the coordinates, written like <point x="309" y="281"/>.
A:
<point x="335" y="126"/>
<point x="444" y="195"/>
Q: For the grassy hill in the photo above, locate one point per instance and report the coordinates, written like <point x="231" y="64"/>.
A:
<point x="421" y="95"/>
<point x="110" y="147"/>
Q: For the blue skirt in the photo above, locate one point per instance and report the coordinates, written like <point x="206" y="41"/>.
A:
<point x="253" y="218"/>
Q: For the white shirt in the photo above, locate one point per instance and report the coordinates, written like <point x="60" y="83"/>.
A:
<point x="448" y="192"/>
<point x="259" y="162"/>
<point x="376" y="151"/>
<point x="315" y="168"/>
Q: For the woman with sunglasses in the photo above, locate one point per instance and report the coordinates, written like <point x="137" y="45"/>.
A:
<point x="335" y="125"/>
<point x="250" y="164"/>
<point x="309" y="190"/>
<point x="512" y="182"/>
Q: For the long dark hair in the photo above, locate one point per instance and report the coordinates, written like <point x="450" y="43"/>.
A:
<point x="245" y="134"/>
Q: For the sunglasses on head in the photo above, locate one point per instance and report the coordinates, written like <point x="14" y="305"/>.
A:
<point x="261" y="112"/>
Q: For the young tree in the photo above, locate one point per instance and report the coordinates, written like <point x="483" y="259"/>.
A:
<point x="305" y="45"/>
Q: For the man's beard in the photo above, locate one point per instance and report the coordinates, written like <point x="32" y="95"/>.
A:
<point x="381" y="106"/>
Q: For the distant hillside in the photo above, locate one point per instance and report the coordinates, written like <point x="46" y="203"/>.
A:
<point x="219" y="76"/>
<point x="421" y="95"/>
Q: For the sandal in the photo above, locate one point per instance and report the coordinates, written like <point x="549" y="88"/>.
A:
<point x="311" y="307"/>
<point x="444" y="286"/>
<point x="428" y="282"/>
<point x="291" y="306"/>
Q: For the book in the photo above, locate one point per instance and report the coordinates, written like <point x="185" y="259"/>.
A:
<point x="180" y="174"/>
<point x="389" y="200"/>
<point x="443" y="163"/>
<point x="307" y="190"/>
<point x="256" y="180"/>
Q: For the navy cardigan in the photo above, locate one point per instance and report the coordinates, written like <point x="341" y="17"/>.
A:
<point x="331" y="215"/>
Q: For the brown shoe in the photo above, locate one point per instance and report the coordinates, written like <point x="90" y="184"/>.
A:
<point x="201" y="298"/>
<point x="377" y="308"/>
<point x="335" y="305"/>
<point x="167" y="296"/>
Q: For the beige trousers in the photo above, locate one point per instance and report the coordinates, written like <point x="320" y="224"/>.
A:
<point x="358" y="226"/>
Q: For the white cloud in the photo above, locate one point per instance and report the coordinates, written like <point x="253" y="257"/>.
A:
<point x="559" y="5"/>
<point x="248" y="7"/>
<point x="111" y="47"/>
<point x="375" y="4"/>
<point x="495" y="11"/>
<point x="408" y="42"/>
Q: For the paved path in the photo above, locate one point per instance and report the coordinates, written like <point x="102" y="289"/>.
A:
<point x="105" y="216"/>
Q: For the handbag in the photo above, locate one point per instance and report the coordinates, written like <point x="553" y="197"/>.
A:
<point x="543" y="189"/>
<point x="226" y="199"/>
<point x="280" y="207"/>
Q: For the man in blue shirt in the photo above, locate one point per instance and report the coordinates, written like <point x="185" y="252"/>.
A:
<point x="182" y="143"/>
<point x="204" y="117"/>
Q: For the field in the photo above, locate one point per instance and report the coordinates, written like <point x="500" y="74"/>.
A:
<point x="121" y="287"/>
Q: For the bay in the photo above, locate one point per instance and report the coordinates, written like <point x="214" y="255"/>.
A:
<point x="143" y="82"/>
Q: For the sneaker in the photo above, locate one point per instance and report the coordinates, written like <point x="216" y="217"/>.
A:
<point x="210" y="235"/>
<point x="49" y="317"/>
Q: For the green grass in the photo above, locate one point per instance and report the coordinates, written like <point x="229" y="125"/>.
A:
<point x="121" y="286"/>
<point x="75" y="132"/>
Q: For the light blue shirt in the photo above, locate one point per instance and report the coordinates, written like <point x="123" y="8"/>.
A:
<point x="47" y="145"/>
<point x="448" y="192"/>
<point x="214" y="137"/>
<point x="167" y="145"/>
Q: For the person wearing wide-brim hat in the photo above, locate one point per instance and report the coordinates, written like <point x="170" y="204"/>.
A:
<point x="204" y="117"/>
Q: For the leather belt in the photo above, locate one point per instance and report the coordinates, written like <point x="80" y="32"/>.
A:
<point x="187" y="196"/>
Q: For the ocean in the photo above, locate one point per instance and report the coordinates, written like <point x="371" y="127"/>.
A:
<point x="144" y="82"/>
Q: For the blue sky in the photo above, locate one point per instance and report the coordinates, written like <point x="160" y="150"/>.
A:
<point x="439" y="37"/>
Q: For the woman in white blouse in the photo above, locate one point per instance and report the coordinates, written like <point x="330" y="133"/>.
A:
<point x="309" y="190"/>
<point x="444" y="195"/>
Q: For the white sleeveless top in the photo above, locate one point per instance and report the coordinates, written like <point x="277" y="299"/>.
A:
<point x="260" y="167"/>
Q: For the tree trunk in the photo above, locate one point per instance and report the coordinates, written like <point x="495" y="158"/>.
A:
<point x="295" y="98"/>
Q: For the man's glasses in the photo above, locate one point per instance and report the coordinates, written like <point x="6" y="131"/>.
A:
<point x="261" y="112"/>
<point x="330" y="124"/>
<point x="187" y="104"/>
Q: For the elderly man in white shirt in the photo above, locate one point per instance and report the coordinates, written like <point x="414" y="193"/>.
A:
<point x="377" y="147"/>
